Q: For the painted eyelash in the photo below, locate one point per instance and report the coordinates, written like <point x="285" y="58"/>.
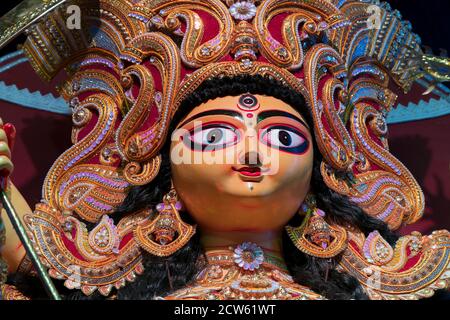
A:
<point x="197" y="146"/>
<point x="213" y="125"/>
<point x="287" y="128"/>
<point x="300" y="149"/>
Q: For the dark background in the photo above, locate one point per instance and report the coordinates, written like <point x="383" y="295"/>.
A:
<point x="429" y="18"/>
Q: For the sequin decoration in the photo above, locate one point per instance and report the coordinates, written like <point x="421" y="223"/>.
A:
<point x="248" y="256"/>
<point x="243" y="10"/>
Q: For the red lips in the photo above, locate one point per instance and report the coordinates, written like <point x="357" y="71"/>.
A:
<point x="249" y="171"/>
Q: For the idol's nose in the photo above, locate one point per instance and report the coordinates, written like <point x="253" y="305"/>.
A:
<point x="251" y="158"/>
<point x="250" y="154"/>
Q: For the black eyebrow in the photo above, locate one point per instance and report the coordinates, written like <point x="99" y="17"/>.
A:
<point x="278" y="113"/>
<point x="221" y="112"/>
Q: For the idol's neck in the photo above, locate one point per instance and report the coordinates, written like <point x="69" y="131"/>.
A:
<point x="269" y="241"/>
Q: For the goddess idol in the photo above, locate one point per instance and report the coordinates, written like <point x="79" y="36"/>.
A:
<point x="226" y="150"/>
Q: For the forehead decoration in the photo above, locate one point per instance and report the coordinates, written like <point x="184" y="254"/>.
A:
<point x="248" y="102"/>
<point x="133" y="62"/>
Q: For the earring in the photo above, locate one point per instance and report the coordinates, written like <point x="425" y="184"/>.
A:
<point x="166" y="233"/>
<point x="315" y="236"/>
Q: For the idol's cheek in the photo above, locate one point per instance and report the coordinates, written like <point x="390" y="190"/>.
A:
<point x="284" y="165"/>
<point x="294" y="166"/>
<point x="197" y="167"/>
<point x="291" y="181"/>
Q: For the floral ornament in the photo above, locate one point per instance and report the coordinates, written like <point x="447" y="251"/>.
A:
<point x="215" y="272"/>
<point x="248" y="256"/>
<point x="243" y="10"/>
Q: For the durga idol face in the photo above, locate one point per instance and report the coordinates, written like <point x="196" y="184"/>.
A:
<point x="242" y="163"/>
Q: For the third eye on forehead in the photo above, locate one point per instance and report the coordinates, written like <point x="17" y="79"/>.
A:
<point x="237" y="115"/>
<point x="248" y="102"/>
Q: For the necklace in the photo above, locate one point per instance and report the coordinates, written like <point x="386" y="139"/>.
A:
<point x="244" y="272"/>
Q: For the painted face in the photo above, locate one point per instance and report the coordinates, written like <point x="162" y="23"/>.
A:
<point x="242" y="163"/>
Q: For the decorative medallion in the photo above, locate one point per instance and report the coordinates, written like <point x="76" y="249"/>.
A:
<point x="243" y="10"/>
<point x="248" y="256"/>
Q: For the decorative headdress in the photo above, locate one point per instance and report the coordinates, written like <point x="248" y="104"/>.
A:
<point x="133" y="62"/>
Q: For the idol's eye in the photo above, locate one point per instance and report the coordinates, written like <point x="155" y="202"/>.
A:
<point x="212" y="137"/>
<point x="285" y="138"/>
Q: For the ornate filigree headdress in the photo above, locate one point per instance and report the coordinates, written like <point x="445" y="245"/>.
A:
<point x="133" y="62"/>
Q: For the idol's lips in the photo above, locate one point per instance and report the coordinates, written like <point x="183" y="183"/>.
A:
<point x="249" y="171"/>
<point x="250" y="174"/>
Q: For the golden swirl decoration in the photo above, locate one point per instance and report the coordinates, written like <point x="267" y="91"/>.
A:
<point x="91" y="192"/>
<point x="92" y="81"/>
<point x="89" y="145"/>
<point x="141" y="147"/>
<point x="69" y="184"/>
<point x="181" y="19"/>
<point x="311" y="17"/>
<point x="393" y="196"/>
<point x="318" y="61"/>
<point x="418" y="266"/>
<point x="139" y="111"/>
<point x="140" y="174"/>
<point x="402" y="199"/>
<point x="163" y="55"/>
<point x="381" y="184"/>
<point x="52" y="231"/>
<point x="334" y="110"/>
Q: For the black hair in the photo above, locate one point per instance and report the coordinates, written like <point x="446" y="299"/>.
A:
<point x="164" y="275"/>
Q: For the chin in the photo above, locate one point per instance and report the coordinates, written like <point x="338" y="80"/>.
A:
<point x="249" y="189"/>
